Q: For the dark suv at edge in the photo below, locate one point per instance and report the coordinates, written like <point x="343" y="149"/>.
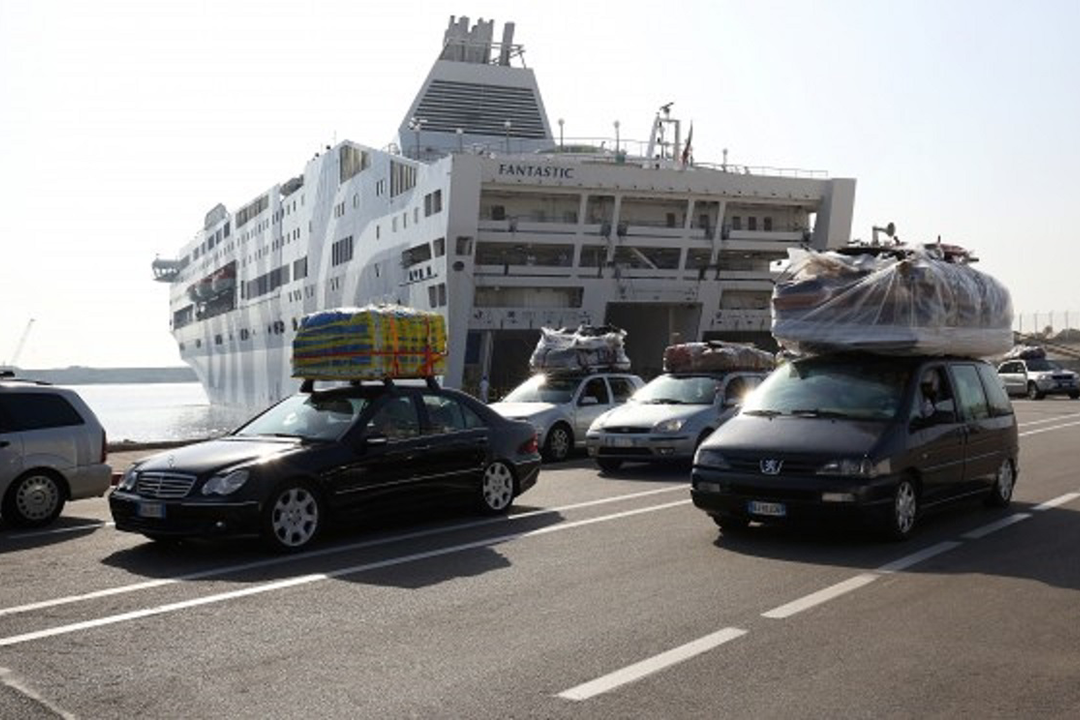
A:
<point x="873" y="437"/>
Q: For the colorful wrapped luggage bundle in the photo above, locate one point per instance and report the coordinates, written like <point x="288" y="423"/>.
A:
<point x="586" y="348"/>
<point x="370" y="343"/>
<point x="716" y="356"/>
<point x="903" y="300"/>
<point x="1025" y="352"/>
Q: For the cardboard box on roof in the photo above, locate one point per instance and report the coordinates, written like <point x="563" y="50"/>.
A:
<point x="902" y="300"/>
<point x="370" y="343"/>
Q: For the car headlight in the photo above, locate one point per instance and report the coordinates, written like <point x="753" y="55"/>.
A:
<point x="848" y="467"/>
<point x="129" y="480"/>
<point x="669" y="426"/>
<point x="710" y="458"/>
<point x="225" y="484"/>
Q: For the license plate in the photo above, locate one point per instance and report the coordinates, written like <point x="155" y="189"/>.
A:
<point x="756" y="507"/>
<point x="151" y="510"/>
<point x="620" y="442"/>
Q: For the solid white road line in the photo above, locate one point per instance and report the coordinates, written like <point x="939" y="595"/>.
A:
<point x="269" y="562"/>
<point x="652" y="665"/>
<point x="1060" y="500"/>
<point x="56" y="531"/>
<point x="317" y="577"/>
<point x="1049" y="429"/>
<point x="821" y="596"/>
<point x="1004" y="522"/>
<point x="1048" y="420"/>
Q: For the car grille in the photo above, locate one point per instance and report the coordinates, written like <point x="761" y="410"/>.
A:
<point x="787" y="467"/>
<point x="164" y="485"/>
<point x="627" y="430"/>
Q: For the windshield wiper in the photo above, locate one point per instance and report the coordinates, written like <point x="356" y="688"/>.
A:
<point x="763" y="413"/>
<point x="830" y="414"/>
<point x="666" y="401"/>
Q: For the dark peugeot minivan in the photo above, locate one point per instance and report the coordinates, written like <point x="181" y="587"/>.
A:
<point x="857" y="435"/>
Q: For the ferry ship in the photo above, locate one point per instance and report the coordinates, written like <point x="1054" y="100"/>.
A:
<point x="483" y="213"/>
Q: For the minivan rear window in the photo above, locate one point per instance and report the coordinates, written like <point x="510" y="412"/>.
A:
<point x="995" y="393"/>
<point x="970" y="391"/>
<point x="35" y="411"/>
<point x="832" y="387"/>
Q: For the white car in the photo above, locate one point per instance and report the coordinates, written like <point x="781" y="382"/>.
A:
<point x="562" y="406"/>
<point x="52" y="449"/>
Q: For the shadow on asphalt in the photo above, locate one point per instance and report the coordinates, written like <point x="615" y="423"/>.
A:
<point x="1015" y="551"/>
<point x="389" y="539"/>
<point x="64" y="529"/>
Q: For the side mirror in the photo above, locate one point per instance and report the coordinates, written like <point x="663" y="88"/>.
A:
<point x="588" y="400"/>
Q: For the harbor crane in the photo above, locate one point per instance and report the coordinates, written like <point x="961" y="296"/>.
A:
<point x="21" y="344"/>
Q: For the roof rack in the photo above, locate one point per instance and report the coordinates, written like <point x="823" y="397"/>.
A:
<point x="308" y="384"/>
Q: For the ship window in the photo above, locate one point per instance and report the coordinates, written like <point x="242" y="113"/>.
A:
<point x="404" y="220"/>
<point x="736" y="222"/>
<point x="300" y="268"/>
<point x="593" y="255"/>
<point x="496" y="253"/>
<point x="402" y="178"/>
<point x="182" y="347"/>
<point x="353" y="161"/>
<point x="198" y="342"/>
<point x="463" y="246"/>
<point x="440" y="246"/>
<point x="498" y="212"/>
<point x="751" y="223"/>
<point x="433" y="298"/>
<point x="436" y="202"/>
<point x="356" y="200"/>
<point x="767" y="224"/>
<point x="697" y="258"/>
<point x="217" y="339"/>
<point x="342" y="251"/>
<point x="416" y="215"/>
<point x="415" y="254"/>
<point x="442" y="294"/>
<point x="649" y="258"/>
<point x="601" y="208"/>
<point x="393" y="223"/>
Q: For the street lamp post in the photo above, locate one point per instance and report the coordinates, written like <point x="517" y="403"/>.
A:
<point x="460" y="141"/>
<point x="415" y="124"/>
<point x="616" y="137"/>
<point x="506" y="126"/>
<point x="561" y="121"/>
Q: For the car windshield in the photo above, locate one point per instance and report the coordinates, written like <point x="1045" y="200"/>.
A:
<point x="865" y="389"/>
<point x="311" y="417"/>
<point x="544" y="389"/>
<point x="1042" y="365"/>
<point x="678" y="390"/>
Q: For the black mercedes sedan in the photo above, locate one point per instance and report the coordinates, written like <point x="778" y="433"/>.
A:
<point x="325" y="454"/>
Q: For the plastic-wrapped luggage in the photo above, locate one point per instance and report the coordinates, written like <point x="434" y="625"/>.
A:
<point x="716" y="356"/>
<point x="370" y="343"/>
<point x="903" y="300"/>
<point x="1025" y="352"/>
<point x="586" y="348"/>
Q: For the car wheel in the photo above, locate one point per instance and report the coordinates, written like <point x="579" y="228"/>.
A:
<point x="1075" y="395"/>
<point x="609" y="464"/>
<point x="496" y="488"/>
<point x="730" y="523"/>
<point x="293" y="517"/>
<point x="1004" y="483"/>
<point x="33" y="500"/>
<point x="904" y="510"/>
<point x="558" y="444"/>
<point x="1033" y="392"/>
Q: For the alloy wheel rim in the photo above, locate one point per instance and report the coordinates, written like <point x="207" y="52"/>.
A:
<point x="905" y="507"/>
<point x="560" y="443"/>
<point x="498" y="486"/>
<point x="37" y="497"/>
<point x="1005" y="480"/>
<point x="295" y="517"/>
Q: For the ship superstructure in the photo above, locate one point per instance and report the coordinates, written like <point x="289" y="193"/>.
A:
<point x="478" y="212"/>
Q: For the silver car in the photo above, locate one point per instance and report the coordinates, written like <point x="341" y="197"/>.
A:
<point x="562" y="406"/>
<point x="1037" y="378"/>
<point x="668" y="418"/>
<point x="52" y="449"/>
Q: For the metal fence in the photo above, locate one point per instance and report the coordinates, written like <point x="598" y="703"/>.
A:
<point x="1063" y="324"/>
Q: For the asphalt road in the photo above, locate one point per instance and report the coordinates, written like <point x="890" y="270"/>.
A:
<point x="600" y="596"/>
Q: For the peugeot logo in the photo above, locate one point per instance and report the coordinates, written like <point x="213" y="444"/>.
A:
<point x="771" y="467"/>
<point x="172" y="461"/>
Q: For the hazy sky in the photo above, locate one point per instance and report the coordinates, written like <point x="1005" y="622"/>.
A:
<point x="122" y="122"/>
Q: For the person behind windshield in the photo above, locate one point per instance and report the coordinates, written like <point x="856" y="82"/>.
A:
<point x="929" y="389"/>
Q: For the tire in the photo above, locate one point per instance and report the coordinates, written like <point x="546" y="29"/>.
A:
<point x="1004" y="483"/>
<point x="293" y="517"/>
<point x="1075" y="395"/>
<point x="559" y="442"/>
<point x="496" y="489"/>
<point x="1033" y="392"/>
<point x="904" y="510"/>
<point x="730" y="523"/>
<point x="34" y="500"/>
<point x="609" y="464"/>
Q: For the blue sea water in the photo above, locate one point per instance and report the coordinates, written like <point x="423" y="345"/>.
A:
<point x="154" y="412"/>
